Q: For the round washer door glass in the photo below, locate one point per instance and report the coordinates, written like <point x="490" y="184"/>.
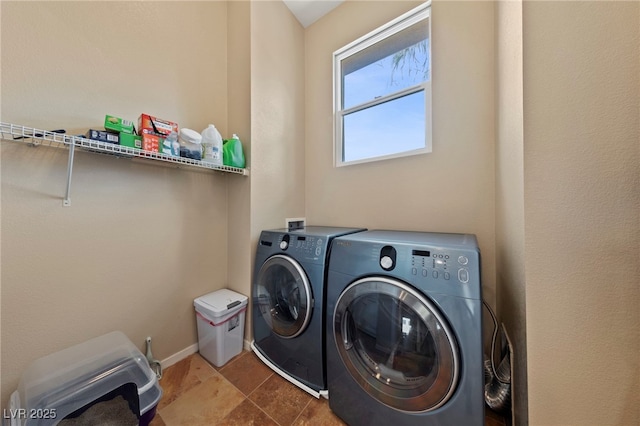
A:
<point x="396" y="344"/>
<point x="284" y="296"/>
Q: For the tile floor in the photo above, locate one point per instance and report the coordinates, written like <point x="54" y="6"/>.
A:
<point x="242" y="392"/>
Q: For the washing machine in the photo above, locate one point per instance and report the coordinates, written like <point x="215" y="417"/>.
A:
<point x="288" y="303"/>
<point x="404" y="329"/>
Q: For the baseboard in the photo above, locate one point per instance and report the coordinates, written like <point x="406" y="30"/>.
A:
<point x="179" y="356"/>
<point x="190" y="350"/>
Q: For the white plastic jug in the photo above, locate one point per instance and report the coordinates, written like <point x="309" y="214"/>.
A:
<point x="212" y="144"/>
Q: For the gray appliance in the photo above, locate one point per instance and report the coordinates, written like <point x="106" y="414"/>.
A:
<point x="288" y="303"/>
<point x="404" y="329"/>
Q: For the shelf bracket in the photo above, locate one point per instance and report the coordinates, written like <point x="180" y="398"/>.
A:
<point x="67" y="200"/>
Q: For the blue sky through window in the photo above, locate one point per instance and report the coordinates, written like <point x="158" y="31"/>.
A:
<point x="380" y="78"/>
<point x="392" y="127"/>
<point x="389" y="128"/>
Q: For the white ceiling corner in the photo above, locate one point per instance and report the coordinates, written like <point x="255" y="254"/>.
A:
<point x="309" y="11"/>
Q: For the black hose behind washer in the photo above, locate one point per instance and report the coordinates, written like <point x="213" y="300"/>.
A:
<point x="497" y="387"/>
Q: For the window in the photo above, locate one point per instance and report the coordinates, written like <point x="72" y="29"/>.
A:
<point x="382" y="91"/>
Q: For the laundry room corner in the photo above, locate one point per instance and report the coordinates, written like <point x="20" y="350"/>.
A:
<point x="451" y="189"/>
<point x="266" y="92"/>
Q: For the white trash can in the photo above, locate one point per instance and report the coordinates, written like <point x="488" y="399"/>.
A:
<point x="220" y="320"/>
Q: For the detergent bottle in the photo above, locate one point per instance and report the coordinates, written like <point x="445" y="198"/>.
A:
<point x="212" y="145"/>
<point x="232" y="152"/>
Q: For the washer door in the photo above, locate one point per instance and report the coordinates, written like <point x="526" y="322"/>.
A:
<point x="284" y="296"/>
<point x="396" y="344"/>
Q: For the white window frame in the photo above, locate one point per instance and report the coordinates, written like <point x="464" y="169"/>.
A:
<point x="415" y="15"/>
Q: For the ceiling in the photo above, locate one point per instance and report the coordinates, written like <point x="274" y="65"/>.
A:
<point x="309" y="11"/>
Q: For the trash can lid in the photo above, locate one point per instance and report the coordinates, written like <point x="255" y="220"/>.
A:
<point x="220" y="302"/>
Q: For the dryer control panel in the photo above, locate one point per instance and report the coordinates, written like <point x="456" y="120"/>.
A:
<point x="440" y="264"/>
<point x="446" y="270"/>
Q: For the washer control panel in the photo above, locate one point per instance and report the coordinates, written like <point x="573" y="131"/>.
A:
<point x="307" y="246"/>
<point x="440" y="265"/>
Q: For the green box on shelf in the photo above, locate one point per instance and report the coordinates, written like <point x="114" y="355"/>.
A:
<point x="117" y="125"/>
<point x="132" y="141"/>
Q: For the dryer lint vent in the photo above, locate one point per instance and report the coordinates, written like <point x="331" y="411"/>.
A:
<point x="294" y="223"/>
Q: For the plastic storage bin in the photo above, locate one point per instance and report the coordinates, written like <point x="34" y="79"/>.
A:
<point x="220" y="321"/>
<point x="190" y="144"/>
<point x="67" y="382"/>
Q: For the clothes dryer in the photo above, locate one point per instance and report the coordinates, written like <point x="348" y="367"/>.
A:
<point x="404" y="329"/>
<point x="288" y="315"/>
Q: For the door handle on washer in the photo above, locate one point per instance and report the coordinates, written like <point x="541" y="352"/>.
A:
<point x="344" y="325"/>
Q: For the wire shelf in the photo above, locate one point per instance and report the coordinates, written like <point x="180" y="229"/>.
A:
<point x="33" y="136"/>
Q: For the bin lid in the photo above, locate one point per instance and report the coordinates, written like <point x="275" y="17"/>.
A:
<point x="220" y="302"/>
<point x="73" y="377"/>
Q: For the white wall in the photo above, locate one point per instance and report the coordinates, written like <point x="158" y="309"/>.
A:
<point x="277" y="119"/>
<point x="510" y="255"/>
<point x="277" y="116"/>
<point x="582" y="211"/>
<point x="239" y="259"/>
